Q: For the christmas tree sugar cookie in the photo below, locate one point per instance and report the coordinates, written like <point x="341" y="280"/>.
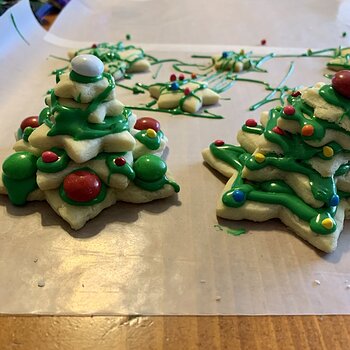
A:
<point x="118" y="59"/>
<point x="232" y="61"/>
<point x="187" y="94"/>
<point x="86" y="151"/>
<point x="341" y="61"/>
<point x="284" y="176"/>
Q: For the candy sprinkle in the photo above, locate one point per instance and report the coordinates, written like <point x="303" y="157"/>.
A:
<point x="263" y="42"/>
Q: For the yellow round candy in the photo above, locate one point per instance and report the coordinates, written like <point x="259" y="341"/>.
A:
<point x="151" y="133"/>
<point x="327" y="223"/>
<point x="328" y="151"/>
<point x="259" y="157"/>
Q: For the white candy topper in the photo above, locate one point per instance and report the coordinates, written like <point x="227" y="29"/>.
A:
<point x="87" y="65"/>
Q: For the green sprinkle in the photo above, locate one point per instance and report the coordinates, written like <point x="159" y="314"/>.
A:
<point x="128" y="36"/>
<point x="344" y="34"/>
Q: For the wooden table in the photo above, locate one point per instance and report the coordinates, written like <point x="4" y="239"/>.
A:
<point x="173" y="332"/>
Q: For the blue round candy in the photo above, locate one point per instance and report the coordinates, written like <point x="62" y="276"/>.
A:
<point x="175" y="86"/>
<point x="224" y="54"/>
<point x="238" y="195"/>
<point x="334" y="200"/>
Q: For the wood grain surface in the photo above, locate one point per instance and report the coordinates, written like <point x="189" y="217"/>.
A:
<point x="174" y="332"/>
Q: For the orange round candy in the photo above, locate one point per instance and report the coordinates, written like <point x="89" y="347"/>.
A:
<point x="307" y="130"/>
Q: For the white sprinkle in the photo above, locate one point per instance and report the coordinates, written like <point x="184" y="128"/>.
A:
<point x="41" y="284"/>
<point x="317" y="282"/>
<point x="218" y="298"/>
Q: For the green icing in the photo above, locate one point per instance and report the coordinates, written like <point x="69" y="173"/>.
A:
<point x="331" y="96"/>
<point x="19" y="176"/>
<point x="84" y="79"/>
<point x="152" y="143"/>
<point x="53" y="167"/>
<point x="125" y="169"/>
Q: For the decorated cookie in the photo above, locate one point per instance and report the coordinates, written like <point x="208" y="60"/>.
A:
<point x="188" y="95"/>
<point x="294" y="165"/>
<point x="86" y="151"/>
<point x="118" y="59"/>
<point x="341" y="61"/>
<point x="232" y="61"/>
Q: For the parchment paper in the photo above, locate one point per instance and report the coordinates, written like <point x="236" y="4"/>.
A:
<point x="172" y="256"/>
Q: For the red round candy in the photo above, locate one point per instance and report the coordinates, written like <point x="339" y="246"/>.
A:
<point x="181" y="77"/>
<point x="263" y="42"/>
<point x="278" y="130"/>
<point x="341" y="83"/>
<point x="251" y="122"/>
<point x="289" y="110"/>
<point x="32" y="121"/>
<point x="82" y="186"/>
<point x="187" y="91"/>
<point x="120" y="161"/>
<point x="219" y="143"/>
<point x="49" y="157"/>
<point x="147" y="123"/>
<point x="172" y="77"/>
<point x="296" y="93"/>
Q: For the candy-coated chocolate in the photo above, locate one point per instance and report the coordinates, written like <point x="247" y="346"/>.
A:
<point x="173" y="77"/>
<point x="49" y="157"/>
<point x="32" y="121"/>
<point x="119" y="161"/>
<point x="251" y="122"/>
<point x="147" y="123"/>
<point x="341" y="83"/>
<point x="87" y="65"/>
<point x="151" y="133"/>
<point x="289" y="110"/>
<point x="82" y="186"/>
<point x="219" y="143"/>
<point x="307" y="130"/>
<point x="259" y="157"/>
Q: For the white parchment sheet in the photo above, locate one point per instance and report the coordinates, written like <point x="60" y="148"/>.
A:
<point x="172" y="256"/>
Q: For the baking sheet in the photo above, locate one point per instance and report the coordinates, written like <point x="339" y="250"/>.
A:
<point x="172" y="256"/>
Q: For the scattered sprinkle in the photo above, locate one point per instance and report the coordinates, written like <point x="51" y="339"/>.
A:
<point x="263" y="42"/>
<point x="218" y="298"/>
<point x="35" y="260"/>
<point x="41" y="284"/>
<point x="127" y="36"/>
<point x="203" y="281"/>
<point x="317" y="282"/>
<point x="344" y="34"/>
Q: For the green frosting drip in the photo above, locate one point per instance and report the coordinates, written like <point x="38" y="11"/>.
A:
<point x="19" y="176"/>
<point x="125" y="169"/>
<point x="331" y="96"/>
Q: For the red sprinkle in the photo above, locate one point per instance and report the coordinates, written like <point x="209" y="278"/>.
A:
<point x="181" y="77"/>
<point x="49" y="157"/>
<point x="219" y="143"/>
<point x="193" y="75"/>
<point x="120" y="161"/>
<point x="251" y="122"/>
<point x="263" y="42"/>
<point x="187" y="91"/>
<point x="172" y="77"/>
<point x="278" y="130"/>
<point x="296" y="93"/>
<point x="289" y="110"/>
<point x="93" y="46"/>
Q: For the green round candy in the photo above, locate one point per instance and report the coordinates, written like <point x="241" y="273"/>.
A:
<point x="150" y="168"/>
<point x="20" y="165"/>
